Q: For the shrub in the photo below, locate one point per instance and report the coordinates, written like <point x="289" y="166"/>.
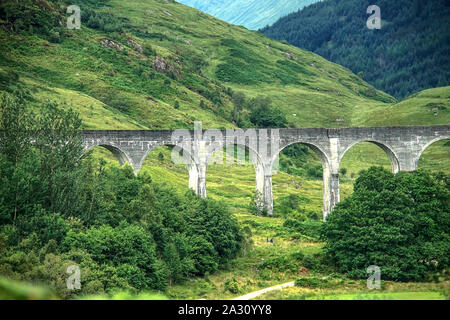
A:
<point x="128" y="247"/>
<point x="148" y="50"/>
<point x="311" y="282"/>
<point x="232" y="286"/>
<point x="284" y="262"/>
<point x="55" y="37"/>
<point x="256" y="205"/>
<point x="46" y="225"/>
<point x="397" y="222"/>
<point x="310" y="228"/>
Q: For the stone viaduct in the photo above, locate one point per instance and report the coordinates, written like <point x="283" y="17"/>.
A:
<point x="403" y="145"/>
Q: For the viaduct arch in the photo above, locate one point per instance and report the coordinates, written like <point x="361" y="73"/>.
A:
<point x="403" y="145"/>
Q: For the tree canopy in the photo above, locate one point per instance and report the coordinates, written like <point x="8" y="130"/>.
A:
<point x="59" y="207"/>
<point x="398" y="222"/>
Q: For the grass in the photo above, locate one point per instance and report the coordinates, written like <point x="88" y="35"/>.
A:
<point x="430" y="107"/>
<point x="397" y="291"/>
<point x="388" y="296"/>
<point x="234" y="185"/>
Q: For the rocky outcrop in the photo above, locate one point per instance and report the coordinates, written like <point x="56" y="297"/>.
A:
<point x="289" y="55"/>
<point x="136" y="46"/>
<point x="106" y="43"/>
<point x="161" y="65"/>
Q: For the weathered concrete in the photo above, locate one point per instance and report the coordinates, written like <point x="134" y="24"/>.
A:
<point x="403" y="145"/>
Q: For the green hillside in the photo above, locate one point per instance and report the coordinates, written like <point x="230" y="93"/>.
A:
<point x="252" y="14"/>
<point x="425" y="107"/>
<point x="163" y="59"/>
<point x="203" y="58"/>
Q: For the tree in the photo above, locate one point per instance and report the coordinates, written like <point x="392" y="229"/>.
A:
<point x="15" y="128"/>
<point x="239" y="100"/>
<point x="57" y="134"/>
<point x="263" y="115"/>
<point x="389" y="66"/>
<point x="124" y="231"/>
<point x="397" y="222"/>
<point x="128" y="245"/>
<point x="15" y="141"/>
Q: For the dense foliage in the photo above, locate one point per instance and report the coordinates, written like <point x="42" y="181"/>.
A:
<point x="398" y="222"/>
<point x="409" y="53"/>
<point x="256" y="112"/>
<point x="58" y="209"/>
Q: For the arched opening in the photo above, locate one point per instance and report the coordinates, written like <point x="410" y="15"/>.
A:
<point x="168" y="166"/>
<point x="234" y="173"/>
<point x="362" y="156"/>
<point x="298" y="184"/>
<point x="436" y="156"/>
<point x="103" y="154"/>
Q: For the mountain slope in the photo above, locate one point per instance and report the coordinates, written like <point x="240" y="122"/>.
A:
<point x="429" y="107"/>
<point x="409" y="53"/>
<point x="150" y="64"/>
<point x="252" y="14"/>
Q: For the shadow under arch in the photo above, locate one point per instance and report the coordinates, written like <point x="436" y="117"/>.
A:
<point x="254" y="159"/>
<point x="180" y="156"/>
<point x="118" y="154"/>
<point x="330" y="193"/>
<point x="393" y="158"/>
<point x="426" y="146"/>
<point x="317" y="150"/>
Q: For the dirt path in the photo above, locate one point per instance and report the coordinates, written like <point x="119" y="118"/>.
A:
<point x="254" y="294"/>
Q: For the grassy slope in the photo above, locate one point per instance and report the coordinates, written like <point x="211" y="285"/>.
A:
<point x="430" y="107"/>
<point x="317" y="91"/>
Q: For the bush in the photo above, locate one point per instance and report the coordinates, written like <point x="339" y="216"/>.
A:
<point x="311" y="282"/>
<point x="263" y="115"/>
<point x="284" y="262"/>
<point x="232" y="286"/>
<point x="55" y="37"/>
<point x="129" y="248"/>
<point x="148" y="50"/>
<point x="397" y="222"/>
<point x="256" y="205"/>
<point x="47" y="226"/>
<point x="310" y="228"/>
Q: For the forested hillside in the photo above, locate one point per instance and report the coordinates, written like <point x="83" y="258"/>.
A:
<point x="252" y="14"/>
<point x="409" y="53"/>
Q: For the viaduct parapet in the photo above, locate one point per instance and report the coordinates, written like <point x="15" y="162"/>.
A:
<point x="403" y="145"/>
